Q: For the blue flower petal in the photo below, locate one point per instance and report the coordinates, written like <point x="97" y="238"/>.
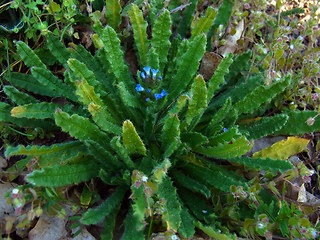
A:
<point x="139" y="88"/>
<point x="147" y="99"/>
<point x="147" y="70"/>
<point x="163" y="93"/>
<point x="149" y="90"/>
<point x="225" y="129"/>
<point x="158" y="96"/>
<point x="143" y="75"/>
<point x="154" y="72"/>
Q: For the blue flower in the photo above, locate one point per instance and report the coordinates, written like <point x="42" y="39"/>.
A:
<point x="143" y="75"/>
<point x="147" y="99"/>
<point x="147" y="71"/>
<point x="149" y="90"/>
<point x="154" y="73"/>
<point x="225" y="129"/>
<point x="162" y="94"/>
<point x="139" y="88"/>
<point x="158" y="96"/>
<point x="314" y="233"/>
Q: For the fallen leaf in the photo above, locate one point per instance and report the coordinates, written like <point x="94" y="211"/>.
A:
<point x="283" y="149"/>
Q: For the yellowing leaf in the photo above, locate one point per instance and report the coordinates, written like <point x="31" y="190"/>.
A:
<point x="283" y="149"/>
<point x="16" y="111"/>
<point x="54" y="7"/>
<point x="131" y="140"/>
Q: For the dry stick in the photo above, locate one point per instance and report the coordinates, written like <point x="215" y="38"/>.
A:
<point x="54" y="16"/>
<point x="174" y="10"/>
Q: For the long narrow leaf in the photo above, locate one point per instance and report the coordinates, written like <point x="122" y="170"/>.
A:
<point x="28" y="56"/>
<point x="160" y="37"/>
<point x="79" y="127"/>
<point x="204" y="23"/>
<point x="47" y="79"/>
<point x="114" y="55"/>
<point x="94" y="215"/>
<point x="35" y="110"/>
<point x="139" y="26"/>
<point x="113" y="10"/>
<point x="61" y="175"/>
<point x="187" y="67"/>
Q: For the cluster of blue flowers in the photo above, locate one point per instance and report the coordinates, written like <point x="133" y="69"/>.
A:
<point x="146" y="76"/>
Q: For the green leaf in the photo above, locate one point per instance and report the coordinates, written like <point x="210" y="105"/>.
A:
<point x="172" y="205"/>
<point x="139" y="204"/>
<point x="193" y="138"/>
<point x="198" y="206"/>
<point x="152" y="59"/>
<point x="48" y="80"/>
<point x="297" y="123"/>
<point x="170" y="137"/>
<point x="35" y="110"/>
<point x="198" y="101"/>
<point x="57" y="49"/>
<point x="237" y="92"/>
<point x="79" y="127"/>
<point x="278" y="54"/>
<point x="127" y="97"/>
<point x="264" y="126"/>
<point x="87" y="93"/>
<point x="218" y="117"/>
<point x="113" y="10"/>
<point x="30" y="83"/>
<point x="222" y="18"/>
<point x="122" y="152"/>
<point x="132" y="227"/>
<point x="187" y="18"/>
<point x="139" y="26"/>
<point x="85" y="198"/>
<point x="264" y="164"/>
<point x="109" y="224"/>
<point x="5" y="112"/>
<point x="81" y="72"/>
<point x="103" y="119"/>
<point x="218" y="77"/>
<point x="114" y="55"/>
<point x="204" y="23"/>
<point x="212" y="232"/>
<point x="190" y="183"/>
<point x="5" y="116"/>
<point x="225" y="136"/>
<point x="156" y="8"/>
<point x="187" y="225"/>
<point x="161" y="33"/>
<point x="187" y="67"/>
<point x="18" y="97"/>
<point x="179" y="105"/>
<point x="260" y="95"/>
<point x="94" y="65"/>
<point x="28" y="56"/>
<point x="131" y="140"/>
<point x="227" y="150"/>
<point x="215" y="176"/>
<point x="61" y="175"/>
<point x="94" y="215"/>
<point x="241" y="65"/>
<point x="102" y="155"/>
<point x="129" y="5"/>
<point x="59" y="149"/>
